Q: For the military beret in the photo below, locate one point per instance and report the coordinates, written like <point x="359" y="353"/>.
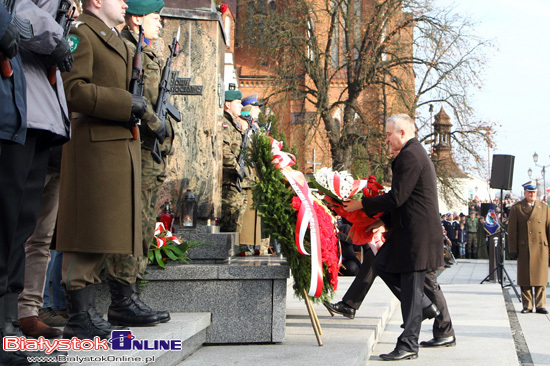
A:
<point x="231" y="95"/>
<point x="144" y="7"/>
<point x="252" y="100"/>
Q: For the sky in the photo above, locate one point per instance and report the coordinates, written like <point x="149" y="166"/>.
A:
<point x="516" y="88"/>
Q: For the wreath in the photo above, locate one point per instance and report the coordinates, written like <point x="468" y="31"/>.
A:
<point x="279" y="205"/>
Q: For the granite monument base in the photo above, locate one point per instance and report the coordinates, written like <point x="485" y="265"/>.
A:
<point x="246" y="297"/>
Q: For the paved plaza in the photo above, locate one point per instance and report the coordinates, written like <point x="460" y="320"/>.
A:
<point x="489" y="329"/>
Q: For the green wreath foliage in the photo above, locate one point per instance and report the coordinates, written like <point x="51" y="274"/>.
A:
<point x="272" y="198"/>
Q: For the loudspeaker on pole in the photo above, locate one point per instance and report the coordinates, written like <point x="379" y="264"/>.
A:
<point x="484" y="209"/>
<point x="502" y="172"/>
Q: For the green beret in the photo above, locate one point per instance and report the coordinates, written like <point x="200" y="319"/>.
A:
<point x="231" y="95"/>
<point x="144" y="7"/>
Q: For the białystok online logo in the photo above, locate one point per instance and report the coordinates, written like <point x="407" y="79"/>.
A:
<point x="121" y="340"/>
<point x="124" y="340"/>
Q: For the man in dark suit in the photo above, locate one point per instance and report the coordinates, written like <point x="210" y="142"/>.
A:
<point x="414" y="243"/>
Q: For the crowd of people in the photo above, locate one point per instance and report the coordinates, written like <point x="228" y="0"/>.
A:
<point x="95" y="199"/>
<point x="84" y="150"/>
<point x="98" y="193"/>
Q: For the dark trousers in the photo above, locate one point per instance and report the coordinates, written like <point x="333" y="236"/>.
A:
<point x="363" y="281"/>
<point x="22" y="175"/>
<point x="408" y="287"/>
<point x="443" y="327"/>
<point x="359" y="288"/>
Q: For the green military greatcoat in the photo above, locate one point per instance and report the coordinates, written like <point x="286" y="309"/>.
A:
<point x="528" y="233"/>
<point x="99" y="205"/>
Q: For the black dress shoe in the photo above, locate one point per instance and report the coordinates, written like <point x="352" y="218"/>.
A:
<point x="398" y="355"/>
<point x="340" y="308"/>
<point x="525" y="310"/>
<point x="429" y="312"/>
<point x="439" y="342"/>
<point x="542" y="311"/>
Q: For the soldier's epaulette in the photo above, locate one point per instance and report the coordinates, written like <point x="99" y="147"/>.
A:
<point x="76" y="24"/>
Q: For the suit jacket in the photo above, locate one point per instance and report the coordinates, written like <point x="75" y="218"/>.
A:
<point x="100" y="192"/>
<point x="415" y="239"/>
<point x="528" y="233"/>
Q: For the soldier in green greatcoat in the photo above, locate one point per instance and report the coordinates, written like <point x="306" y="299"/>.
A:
<point x="123" y="270"/>
<point x="99" y="200"/>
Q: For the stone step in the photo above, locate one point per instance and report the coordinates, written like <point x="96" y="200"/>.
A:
<point x="246" y="296"/>
<point x="189" y="328"/>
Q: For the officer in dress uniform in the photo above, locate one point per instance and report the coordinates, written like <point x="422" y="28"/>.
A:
<point x="100" y="203"/>
<point x="528" y="234"/>
<point x="123" y="270"/>
<point x="233" y="196"/>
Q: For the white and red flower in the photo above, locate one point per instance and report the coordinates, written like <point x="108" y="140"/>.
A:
<point x="163" y="236"/>
<point x="340" y="184"/>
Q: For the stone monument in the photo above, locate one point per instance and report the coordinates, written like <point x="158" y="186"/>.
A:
<point x="195" y="162"/>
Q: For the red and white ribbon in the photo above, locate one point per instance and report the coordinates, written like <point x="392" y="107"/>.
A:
<point x="306" y="216"/>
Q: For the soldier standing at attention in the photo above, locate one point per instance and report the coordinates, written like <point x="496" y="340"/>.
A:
<point x="251" y="233"/>
<point x="123" y="270"/>
<point x="99" y="204"/>
<point x="528" y="235"/>
<point x="233" y="197"/>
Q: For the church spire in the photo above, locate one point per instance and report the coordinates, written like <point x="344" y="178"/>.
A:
<point x="442" y="153"/>
<point x="442" y="139"/>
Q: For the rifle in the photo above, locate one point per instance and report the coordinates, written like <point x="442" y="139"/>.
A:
<point x="64" y="17"/>
<point x="164" y="107"/>
<point x="241" y="174"/>
<point x="137" y="82"/>
<point x="25" y="32"/>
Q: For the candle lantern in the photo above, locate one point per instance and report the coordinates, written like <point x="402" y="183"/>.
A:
<point x="167" y="217"/>
<point x="188" y="218"/>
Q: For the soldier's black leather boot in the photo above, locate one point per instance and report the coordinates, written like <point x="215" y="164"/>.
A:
<point x="123" y="309"/>
<point x="163" y="315"/>
<point x="84" y="322"/>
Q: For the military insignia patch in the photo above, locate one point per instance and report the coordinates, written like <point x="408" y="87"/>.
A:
<point x="73" y="42"/>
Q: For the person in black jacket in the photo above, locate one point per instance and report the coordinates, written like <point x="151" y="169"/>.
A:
<point x="414" y="242"/>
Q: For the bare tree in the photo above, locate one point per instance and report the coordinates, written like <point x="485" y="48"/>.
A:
<point x="375" y="49"/>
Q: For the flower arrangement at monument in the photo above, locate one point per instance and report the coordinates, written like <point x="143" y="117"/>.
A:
<point x="302" y="224"/>
<point x="165" y="246"/>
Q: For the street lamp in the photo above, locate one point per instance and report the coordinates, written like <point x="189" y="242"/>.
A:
<point x="543" y="172"/>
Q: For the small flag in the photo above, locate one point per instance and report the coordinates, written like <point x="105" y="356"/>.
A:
<point x="491" y="221"/>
